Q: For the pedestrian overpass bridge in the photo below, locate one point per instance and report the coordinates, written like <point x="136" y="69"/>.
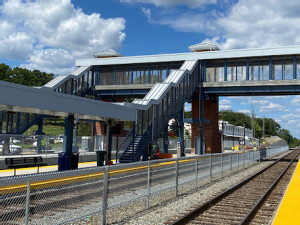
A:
<point x="161" y="85"/>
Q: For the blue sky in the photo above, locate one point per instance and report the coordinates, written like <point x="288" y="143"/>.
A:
<point x="50" y="34"/>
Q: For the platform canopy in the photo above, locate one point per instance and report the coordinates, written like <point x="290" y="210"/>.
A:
<point x="19" y="98"/>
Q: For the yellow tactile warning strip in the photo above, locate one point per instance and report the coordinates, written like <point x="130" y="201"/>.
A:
<point x="288" y="212"/>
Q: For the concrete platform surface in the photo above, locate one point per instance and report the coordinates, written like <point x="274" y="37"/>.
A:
<point x="288" y="212"/>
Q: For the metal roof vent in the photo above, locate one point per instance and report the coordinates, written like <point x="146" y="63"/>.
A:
<point x="107" y="54"/>
<point x="204" y="46"/>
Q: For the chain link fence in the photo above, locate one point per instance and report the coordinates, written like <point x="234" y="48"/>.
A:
<point x="100" y="193"/>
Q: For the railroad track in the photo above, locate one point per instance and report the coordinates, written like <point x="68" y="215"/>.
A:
<point x="253" y="201"/>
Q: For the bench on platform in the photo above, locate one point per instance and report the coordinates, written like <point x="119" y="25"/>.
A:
<point x="23" y="162"/>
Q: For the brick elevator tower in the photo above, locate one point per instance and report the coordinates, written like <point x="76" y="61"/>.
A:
<point x="210" y="114"/>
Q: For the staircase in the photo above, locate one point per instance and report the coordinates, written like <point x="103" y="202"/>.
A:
<point x="163" y="102"/>
<point x="134" y="151"/>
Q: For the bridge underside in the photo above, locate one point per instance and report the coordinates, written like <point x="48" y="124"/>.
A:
<point x="256" y="88"/>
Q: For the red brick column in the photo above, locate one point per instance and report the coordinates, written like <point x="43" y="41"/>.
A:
<point x="212" y="137"/>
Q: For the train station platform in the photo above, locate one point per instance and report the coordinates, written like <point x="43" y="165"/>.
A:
<point x="288" y="211"/>
<point x="54" y="168"/>
<point x="44" y="169"/>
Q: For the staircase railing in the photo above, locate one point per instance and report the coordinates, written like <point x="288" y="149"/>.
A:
<point x="127" y="141"/>
<point x="137" y="147"/>
<point x="165" y="100"/>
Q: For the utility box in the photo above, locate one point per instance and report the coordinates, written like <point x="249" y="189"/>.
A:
<point x="85" y="143"/>
<point x="178" y="150"/>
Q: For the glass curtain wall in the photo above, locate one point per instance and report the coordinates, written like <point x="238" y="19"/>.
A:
<point x="106" y="75"/>
<point x="140" y="74"/>
<point x="263" y="68"/>
<point x="134" y="73"/>
<point x="123" y="73"/>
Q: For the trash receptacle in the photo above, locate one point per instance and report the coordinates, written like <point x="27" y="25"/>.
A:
<point x="74" y="162"/>
<point x="63" y="161"/>
<point x="100" y="158"/>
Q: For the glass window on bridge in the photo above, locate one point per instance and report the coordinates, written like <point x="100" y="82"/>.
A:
<point x="106" y="75"/>
<point x="253" y="69"/>
<point x="123" y="73"/>
<point x="140" y="74"/>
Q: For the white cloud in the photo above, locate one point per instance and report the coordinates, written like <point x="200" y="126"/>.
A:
<point x="296" y="101"/>
<point x="41" y="32"/>
<point x="245" y="111"/>
<point x="225" y="101"/>
<point x="278" y="121"/>
<point x="234" y="24"/>
<point x="225" y="104"/>
<point x="51" y="60"/>
<point x="270" y="107"/>
<point x="292" y="122"/>
<point x="259" y="102"/>
<point x="287" y="116"/>
<point x="147" y="12"/>
<point x="224" y="107"/>
<point x="187" y="107"/>
<point x="252" y="23"/>
<point x="172" y="3"/>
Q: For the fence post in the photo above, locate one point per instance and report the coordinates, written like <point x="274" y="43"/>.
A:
<point x="176" y="178"/>
<point x="196" y="173"/>
<point x="210" y="169"/>
<point x="244" y="159"/>
<point x="105" y="191"/>
<point x="222" y="164"/>
<point x="27" y="202"/>
<point x="148" y="186"/>
<point x="230" y="163"/>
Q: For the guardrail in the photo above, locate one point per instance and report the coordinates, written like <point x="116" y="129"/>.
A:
<point x="98" y="193"/>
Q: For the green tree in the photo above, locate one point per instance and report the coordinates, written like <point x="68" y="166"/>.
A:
<point x="187" y="134"/>
<point x="5" y="72"/>
<point x="235" y="118"/>
<point x="285" y="135"/>
<point x="188" y="114"/>
<point x="24" y="76"/>
<point x="41" y="78"/>
<point x="85" y="128"/>
<point x="175" y="127"/>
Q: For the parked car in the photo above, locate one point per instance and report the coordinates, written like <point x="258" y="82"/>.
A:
<point x="29" y="139"/>
<point x="58" y="140"/>
<point x="44" y="144"/>
<point x="13" y="149"/>
<point x="13" y="140"/>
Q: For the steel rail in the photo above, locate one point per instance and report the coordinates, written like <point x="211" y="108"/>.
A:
<point x="194" y="213"/>
<point x="256" y="207"/>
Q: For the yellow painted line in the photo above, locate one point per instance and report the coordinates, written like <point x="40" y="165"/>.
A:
<point x="27" y="168"/>
<point x="76" y="179"/>
<point x="288" y="211"/>
<point x="51" y="166"/>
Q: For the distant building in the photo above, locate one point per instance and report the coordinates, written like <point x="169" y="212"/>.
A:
<point x="233" y="136"/>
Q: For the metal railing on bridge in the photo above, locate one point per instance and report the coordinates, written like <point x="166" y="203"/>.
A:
<point x="163" y="102"/>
